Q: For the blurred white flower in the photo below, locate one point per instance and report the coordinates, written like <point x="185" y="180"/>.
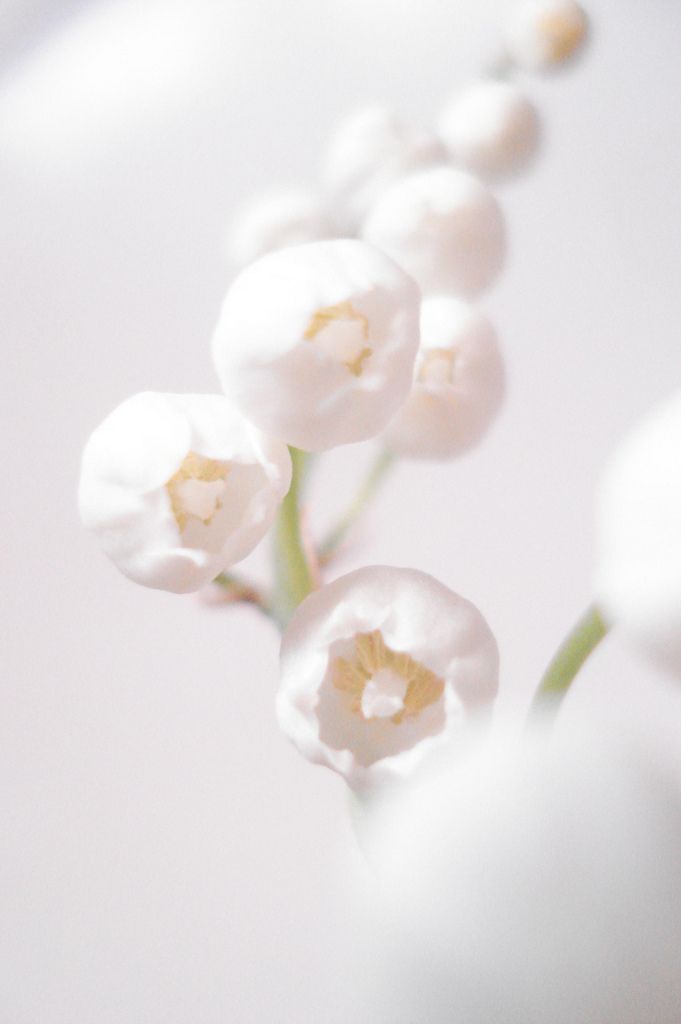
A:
<point x="275" y="222"/>
<point x="542" y="34"/>
<point x="444" y="227"/>
<point x="458" y="385"/>
<point x="379" y="669"/>
<point x="177" y="488"/>
<point x="638" y="558"/>
<point x="540" y="880"/>
<point x="491" y="128"/>
<point x="316" y="344"/>
<point x="370" y="150"/>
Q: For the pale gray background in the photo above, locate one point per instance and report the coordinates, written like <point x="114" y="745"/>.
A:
<point x="166" y="856"/>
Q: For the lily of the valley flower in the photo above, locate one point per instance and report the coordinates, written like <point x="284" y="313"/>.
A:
<point x="370" y="150"/>
<point x="491" y="128"/>
<point x="543" y="34"/>
<point x="380" y="668"/>
<point x="444" y="227"/>
<point x="316" y="344"/>
<point x="458" y="386"/>
<point x="275" y="222"/>
<point x="177" y="488"/>
<point x="638" y="564"/>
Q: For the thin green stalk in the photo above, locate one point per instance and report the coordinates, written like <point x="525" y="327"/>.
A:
<point x="571" y="655"/>
<point x="293" y="576"/>
<point x="370" y="485"/>
<point x="240" y="591"/>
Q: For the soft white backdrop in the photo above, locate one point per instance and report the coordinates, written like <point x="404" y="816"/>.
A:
<point x="166" y="856"/>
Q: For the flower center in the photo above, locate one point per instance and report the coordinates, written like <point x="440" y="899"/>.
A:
<point x="437" y="366"/>
<point x="196" y="489"/>
<point x="341" y="333"/>
<point x="383" y="683"/>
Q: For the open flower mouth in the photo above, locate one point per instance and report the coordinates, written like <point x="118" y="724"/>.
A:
<point x="342" y="333"/>
<point x="196" y="489"/>
<point x="383" y="683"/>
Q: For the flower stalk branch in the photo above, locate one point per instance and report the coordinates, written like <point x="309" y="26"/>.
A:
<point x="366" y="492"/>
<point x="571" y="655"/>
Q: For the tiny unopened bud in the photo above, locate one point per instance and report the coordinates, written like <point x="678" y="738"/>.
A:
<point x="544" y="34"/>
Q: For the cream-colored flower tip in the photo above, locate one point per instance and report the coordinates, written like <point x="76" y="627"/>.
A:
<point x="444" y="227"/>
<point x="274" y="222"/>
<point x="177" y="488"/>
<point x="458" y="386"/>
<point x="638" y="553"/>
<point x="543" y="34"/>
<point x="378" y="669"/>
<point x="370" y="150"/>
<point x="491" y="128"/>
<point x="316" y="344"/>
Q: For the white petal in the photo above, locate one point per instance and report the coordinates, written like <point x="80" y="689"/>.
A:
<point x="316" y="344"/>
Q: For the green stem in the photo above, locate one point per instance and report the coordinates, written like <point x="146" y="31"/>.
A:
<point x="571" y="655"/>
<point x="370" y="485"/>
<point x="292" y="572"/>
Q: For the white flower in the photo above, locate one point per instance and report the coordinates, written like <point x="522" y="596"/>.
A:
<point x="274" y="222"/>
<point x="542" y="34"/>
<point x="380" y="668"/>
<point x="539" y="882"/>
<point x="491" y="128"/>
<point x="316" y="344"/>
<point x="458" y="386"/>
<point x="444" y="227"/>
<point x="638" y="564"/>
<point x="369" y="151"/>
<point x="177" y="488"/>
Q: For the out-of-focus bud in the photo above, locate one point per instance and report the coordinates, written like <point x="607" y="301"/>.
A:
<point x="491" y="128"/>
<point x="543" y="34"/>
<point x="177" y="488"/>
<point x="458" y="387"/>
<point x="316" y="344"/>
<point x="275" y="222"/>
<point x="638" y="560"/>
<point x="381" y="668"/>
<point x="538" y="880"/>
<point x="444" y="227"/>
<point x="370" y="150"/>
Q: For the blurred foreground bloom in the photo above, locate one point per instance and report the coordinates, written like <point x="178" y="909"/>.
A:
<point x="491" y="128"/>
<point x="540" y="882"/>
<point x="542" y="34"/>
<point x="444" y="227"/>
<point x="275" y="222"/>
<point x="370" y="150"/>
<point x="638" y="564"/>
<point x="458" y="387"/>
<point x="177" y="488"/>
<point x="378" y="669"/>
<point x="316" y="344"/>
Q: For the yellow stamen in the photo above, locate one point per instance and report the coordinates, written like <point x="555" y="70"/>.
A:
<point x="205" y="471"/>
<point x="342" y="312"/>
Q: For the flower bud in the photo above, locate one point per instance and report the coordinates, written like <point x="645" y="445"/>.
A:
<point x="491" y="128"/>
<point x="380" y="668"/>
<point x="542" y="34"/>
<point x="370" y="150"/>
<point x="274" y="222"/>
<point x="458" y="385"/>
<point x="444" y="227"/>
<point x="316" y="344"/>
<point x="638" y="562"/>
<point x="177" y="488"/>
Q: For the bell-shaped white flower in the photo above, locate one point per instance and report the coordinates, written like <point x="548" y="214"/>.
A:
<point x="316" y="344"/>
<point x="177" y="488"/>
<point x="370" y="150"/>
<point x="444" y="227"/>
<point x="275" y="222"/>
<point x="543" y="34"/>
<point x="638" y="555"/>
<point x="491" y="128"/>
<point x="458" y="384"/>
<point x="379" y="669"/>
<point x="538" y="881"/>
